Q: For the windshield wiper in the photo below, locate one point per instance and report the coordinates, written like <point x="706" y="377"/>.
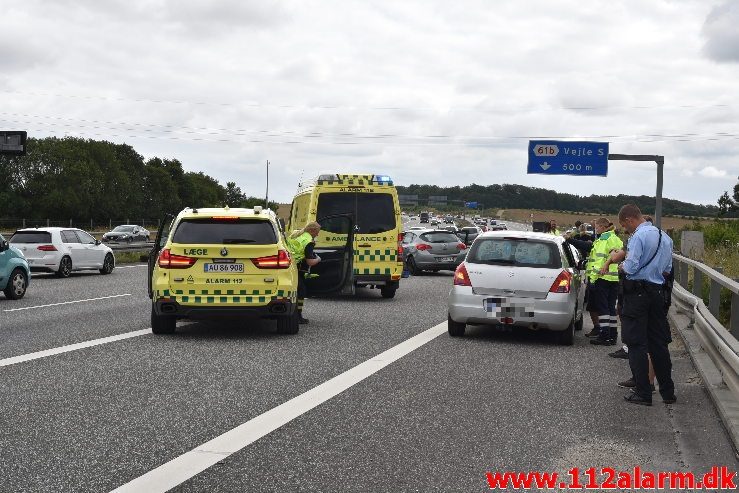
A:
<point x="237" y="241"/>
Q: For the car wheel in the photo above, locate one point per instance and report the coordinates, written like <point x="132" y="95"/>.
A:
<point x="388" y="292"/>
<point x="162" y="324"/>
<point x="567" y="336"/>
<point x="108" y="264"/>
<point x="413" y="268"/>
<point x="17" y="285"/>
<point x="65" y="267"/>
<point x="456" y="329"/>
<point x="288" y="324"/>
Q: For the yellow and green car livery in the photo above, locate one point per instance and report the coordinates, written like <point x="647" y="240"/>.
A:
<point x="218" y="262"/>
<point x="371" y="200"/>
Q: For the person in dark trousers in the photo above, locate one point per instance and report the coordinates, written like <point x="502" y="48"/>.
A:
<point x="301" y="244"/>
<point x="644" y="325"/>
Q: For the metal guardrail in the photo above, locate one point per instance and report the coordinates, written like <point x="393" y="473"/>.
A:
<point x="719" y="342"/>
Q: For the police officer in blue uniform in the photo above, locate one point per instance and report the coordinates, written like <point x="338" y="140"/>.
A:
<point x="644" y="326"/>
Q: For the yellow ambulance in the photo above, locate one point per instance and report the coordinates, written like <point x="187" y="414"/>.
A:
<point x="361" y="232"/>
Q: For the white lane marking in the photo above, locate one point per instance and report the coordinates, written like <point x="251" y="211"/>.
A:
<point x="71" y="347"/>
<point x="130" y="266"/>
<point x="184" y="467"/>
<point x="66" y="303"/>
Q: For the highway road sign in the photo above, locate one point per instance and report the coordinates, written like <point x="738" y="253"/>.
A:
<point x="557" y="157"/>
<point x="12" y="142"/>
<point x="470" y="205"/>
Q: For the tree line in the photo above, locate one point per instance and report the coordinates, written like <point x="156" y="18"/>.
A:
<point x="522" y="197"/>
<point x="70" y="177"/>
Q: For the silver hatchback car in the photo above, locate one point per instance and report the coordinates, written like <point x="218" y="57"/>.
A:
<point x="520" y="279"/>
<point x="431" y="249"/>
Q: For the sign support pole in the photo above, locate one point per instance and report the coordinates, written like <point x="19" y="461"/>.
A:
<point x="660" y="160"/>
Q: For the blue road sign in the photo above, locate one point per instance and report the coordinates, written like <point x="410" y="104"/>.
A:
<point x="470" y="205"/>
<point x="557" y="157"/>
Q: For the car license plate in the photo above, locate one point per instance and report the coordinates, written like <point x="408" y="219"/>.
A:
<point x="446" y="259"/>
<point x="225" y="268"/>
<point x="491" y="305"/>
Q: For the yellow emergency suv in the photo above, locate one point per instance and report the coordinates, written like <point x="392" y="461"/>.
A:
<point x="222" y="262"/>
<point x="361" y="235"/>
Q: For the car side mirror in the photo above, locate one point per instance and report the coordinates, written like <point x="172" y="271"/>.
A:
<point x="281" y="222"/>
<point x="4" y="245"/>
<point x="97" y="242"/>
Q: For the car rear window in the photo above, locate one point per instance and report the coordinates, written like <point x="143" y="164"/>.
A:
<point x="228" y="232"/>
<point x="440" y="238"/>
<point x="31" y="237"/>
<point x="373" y="212"/>
<point x="517" y="252"/>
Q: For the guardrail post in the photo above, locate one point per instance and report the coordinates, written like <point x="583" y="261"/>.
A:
<point x="684" y="274"/>
<point x="734" y="322"/>
<point x="714" y="297"/>
<point x="47" y="223"/>
<point x="697" y="283"/>
<point x="24" y="224"/>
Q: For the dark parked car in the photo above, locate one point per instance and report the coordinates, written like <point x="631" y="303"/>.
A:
<point x="128" y="233"/>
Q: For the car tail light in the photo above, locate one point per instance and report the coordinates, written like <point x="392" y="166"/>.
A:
<point x="168" y="260"/>
<point x="461" y="246"/>
<point x="461" y="278"/>
<point x="279" y="261"/>
<point x="400" y="247"/>
<point x="562" y="283"/>
<point x="423" y="246"/>
<point x="46" y="248"/>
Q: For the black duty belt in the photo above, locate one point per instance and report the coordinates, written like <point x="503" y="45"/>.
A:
<point x="631" y="286"/>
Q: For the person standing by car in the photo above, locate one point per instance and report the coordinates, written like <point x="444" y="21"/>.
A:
<point x="604" y="294"/>
<point x="643" y="318"/>
<point x="301" y="244"/>
<point x="553" y="228"/>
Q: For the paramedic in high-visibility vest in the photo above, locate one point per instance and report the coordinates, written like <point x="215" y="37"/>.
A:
<point x="301" y="244"/>
<point x="604" y="292"/>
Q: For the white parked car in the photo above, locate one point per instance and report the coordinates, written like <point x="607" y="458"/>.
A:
<point x="62" y="250"/>
<point x="520" y="279"/>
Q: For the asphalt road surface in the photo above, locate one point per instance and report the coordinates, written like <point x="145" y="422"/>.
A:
<point x="433" y="414"/>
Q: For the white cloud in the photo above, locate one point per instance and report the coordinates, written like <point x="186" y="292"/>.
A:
<point x="721" y="33"/>
<point x="711" y="172"/>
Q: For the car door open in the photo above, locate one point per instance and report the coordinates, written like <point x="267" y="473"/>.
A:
<point x="161" y="240"/>
<point x="335" y="247"/>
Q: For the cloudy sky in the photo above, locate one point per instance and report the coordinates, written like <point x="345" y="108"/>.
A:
<point x="438" y="92"/>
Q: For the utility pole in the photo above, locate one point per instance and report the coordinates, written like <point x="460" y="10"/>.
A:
<point x="266" y="194"/>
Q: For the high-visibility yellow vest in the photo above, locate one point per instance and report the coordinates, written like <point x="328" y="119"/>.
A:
<point x="297" y="246"/>
<point x="602" y="247"/>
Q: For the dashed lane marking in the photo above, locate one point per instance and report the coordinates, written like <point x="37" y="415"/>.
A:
<point x="66" y="303"/>
<point x="71" y="347"/>
<point x="184" y="467"/>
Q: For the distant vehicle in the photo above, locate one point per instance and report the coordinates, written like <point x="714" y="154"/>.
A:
<point x="449" y="219"/>
<point x="128" y="233"/>
<point x="424" y="217"/>
<point x="540" y="226"/>
<point x="468" y="234"/>
<point x="431" y="249"/>
<point x="498" y="227"/>
<point x="435" y="222"/>
<point x="451" y="228"/>
<point x="522" y="279"/>
<point x="63" y="250"/>
<point x="14" y="271"/>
